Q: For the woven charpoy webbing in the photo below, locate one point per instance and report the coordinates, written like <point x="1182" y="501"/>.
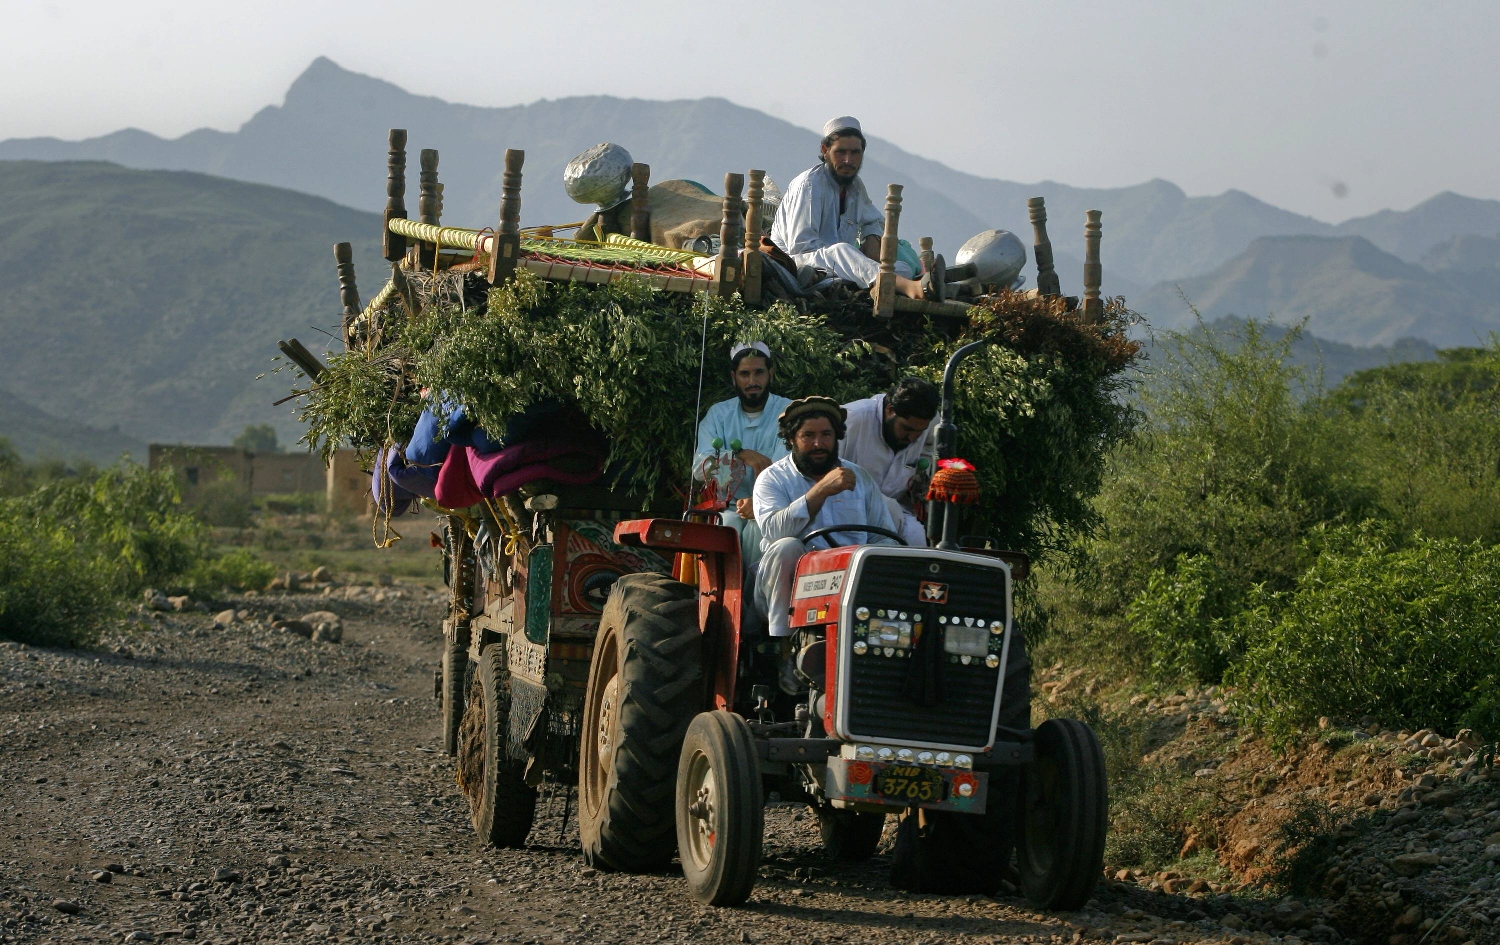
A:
<point x="618" y="248"/>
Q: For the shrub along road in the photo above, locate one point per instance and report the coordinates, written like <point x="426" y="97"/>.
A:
<point x="229" y="781"/>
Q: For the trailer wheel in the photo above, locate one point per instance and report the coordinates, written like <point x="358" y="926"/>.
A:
<point x="849" y="835"/>
<point x="501" y="804"/>
<point x="1064" y="816"/>
<point x="645" y="685"/>
<point x="720" y="812"/>
<point x="960" y="854"/>
<point x="455" y="668"/>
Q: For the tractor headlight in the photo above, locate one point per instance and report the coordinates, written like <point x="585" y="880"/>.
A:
<point x="864" y="753"/>
<point x="965" y="789"/>
<point x="904" y="754"/>
<point x="962" y="761"/>
<point x="885" y="754"/>
<point x="925" y="757"/>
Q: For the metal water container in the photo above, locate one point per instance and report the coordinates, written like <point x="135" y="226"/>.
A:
<point x="600" y="176"/>
<point x="999" y="256"/>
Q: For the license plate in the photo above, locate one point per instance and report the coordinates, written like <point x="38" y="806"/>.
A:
<point x="910" y="783"/>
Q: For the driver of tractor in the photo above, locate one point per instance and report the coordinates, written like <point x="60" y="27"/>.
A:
<point x="746" y="426"/>
<point x="809" y="489"/>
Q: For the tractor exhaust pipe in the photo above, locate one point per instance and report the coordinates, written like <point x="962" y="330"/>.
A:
<point x="947" y="448"/>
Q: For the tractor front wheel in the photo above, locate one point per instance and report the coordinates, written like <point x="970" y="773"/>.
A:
<point x="720" y="812"/>
<point x="1064" y="817"/>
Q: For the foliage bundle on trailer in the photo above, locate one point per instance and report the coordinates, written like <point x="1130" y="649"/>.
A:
<point x="1037" y="411"/>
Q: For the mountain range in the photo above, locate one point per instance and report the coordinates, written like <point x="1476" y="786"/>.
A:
<point x="145" y="295"/>
<point x="328" y="138"/>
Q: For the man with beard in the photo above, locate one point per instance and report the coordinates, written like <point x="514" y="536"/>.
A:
<point x="827" y="221"/>
<point x="887" y="434"/>
<point x="749" y="419"/>
<point x="810" y="488"/>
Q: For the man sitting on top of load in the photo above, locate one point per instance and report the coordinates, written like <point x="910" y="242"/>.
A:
<point x="826" y="220"/>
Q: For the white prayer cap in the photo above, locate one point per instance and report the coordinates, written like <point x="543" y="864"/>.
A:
<point x="842" y="123"/>
<point x="759" y="346"/>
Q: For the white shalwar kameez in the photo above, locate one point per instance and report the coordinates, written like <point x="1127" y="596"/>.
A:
<point x="811" y="229"/>
<point x="864" y="443"/>
<point x="781" y="510"/>
<point x="727" y="421"/>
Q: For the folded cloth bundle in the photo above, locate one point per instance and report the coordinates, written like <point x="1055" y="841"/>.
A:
<point x="429" y="447"/>
<point x="391" y="497"/>
<point x="455" y="483"/>
<point x="569" y="461"/>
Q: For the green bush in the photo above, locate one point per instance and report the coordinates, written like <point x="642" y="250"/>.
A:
<point x="238" y="570"/>
<point x="129" y="522"/>
<point x="51" y="591"/>
<point x="223" y="502"/>
<point x="1185" y="616"/>
<point x="1407" y="635"/>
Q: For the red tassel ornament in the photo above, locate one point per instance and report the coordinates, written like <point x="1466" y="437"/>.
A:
<point x="954" y="482"/>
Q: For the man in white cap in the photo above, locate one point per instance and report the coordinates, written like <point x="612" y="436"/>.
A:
<point x="746" y="426"/>
<point x="826" y="220"/>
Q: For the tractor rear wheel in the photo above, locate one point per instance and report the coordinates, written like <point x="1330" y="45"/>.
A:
<point x="1064" y="816"/>
<point x="645" y="685"/>
<point x="501" y="803"/>
<point x="720" y="811"/>
<point x="849" y="835"/>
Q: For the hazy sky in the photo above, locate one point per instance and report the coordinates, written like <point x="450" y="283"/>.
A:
<point x="1334" y="109"/>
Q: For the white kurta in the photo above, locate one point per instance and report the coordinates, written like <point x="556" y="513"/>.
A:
<point x="812" y="230"/>
<point x="781" y="509"/>
<point x="727" y="422"/>
<point x="864" y="444"/>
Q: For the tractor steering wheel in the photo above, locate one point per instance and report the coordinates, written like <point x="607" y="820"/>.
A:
<point x="827" y="530"/>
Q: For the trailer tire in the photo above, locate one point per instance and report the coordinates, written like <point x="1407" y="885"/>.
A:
<point x="849" y="835"/>
<point x="645" y="686"/>
<point x="501" y="803"/>
<point x="455" y="668"/>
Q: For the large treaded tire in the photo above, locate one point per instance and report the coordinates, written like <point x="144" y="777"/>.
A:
<point x="458" y="569"/>
<point x="455" y="668"/>
<point x="720" y="811"/>
<point x="501" y="804"/>
<point x="645" y="686"/>
<point x="961" y="854"/>
<point x="1064" y="817"/>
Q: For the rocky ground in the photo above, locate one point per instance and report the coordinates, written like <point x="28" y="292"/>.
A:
<point x="266" y="768"/>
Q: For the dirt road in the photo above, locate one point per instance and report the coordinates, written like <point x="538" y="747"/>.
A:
<point x="246" y="784"/>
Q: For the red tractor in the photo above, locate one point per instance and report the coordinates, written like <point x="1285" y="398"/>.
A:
<point x="916" y="702"/>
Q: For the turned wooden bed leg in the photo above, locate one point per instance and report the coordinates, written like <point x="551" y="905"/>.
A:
<point x="1093" y="272"/>
<point x="885" y="282"/>
<point x="505" y="245"/>
<point x="928" y="257"/>
<point x="751" y="260"/>
<point x="1047" y="282"/>
<point x="428" y="204"/>
<point x="726" y="271"/>
<point x="392" y="245"/>
<point x="343" y="257"/>
<point x="640" y="202"/>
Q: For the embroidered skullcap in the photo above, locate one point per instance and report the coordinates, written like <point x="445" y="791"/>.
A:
<point x="749" y="346"/>
<point x="842" y="123"/>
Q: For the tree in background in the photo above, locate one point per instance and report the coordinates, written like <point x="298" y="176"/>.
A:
<point x="257" y="438"/>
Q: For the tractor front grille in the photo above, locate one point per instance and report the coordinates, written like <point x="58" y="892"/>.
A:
<point x="875" y="706"/>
